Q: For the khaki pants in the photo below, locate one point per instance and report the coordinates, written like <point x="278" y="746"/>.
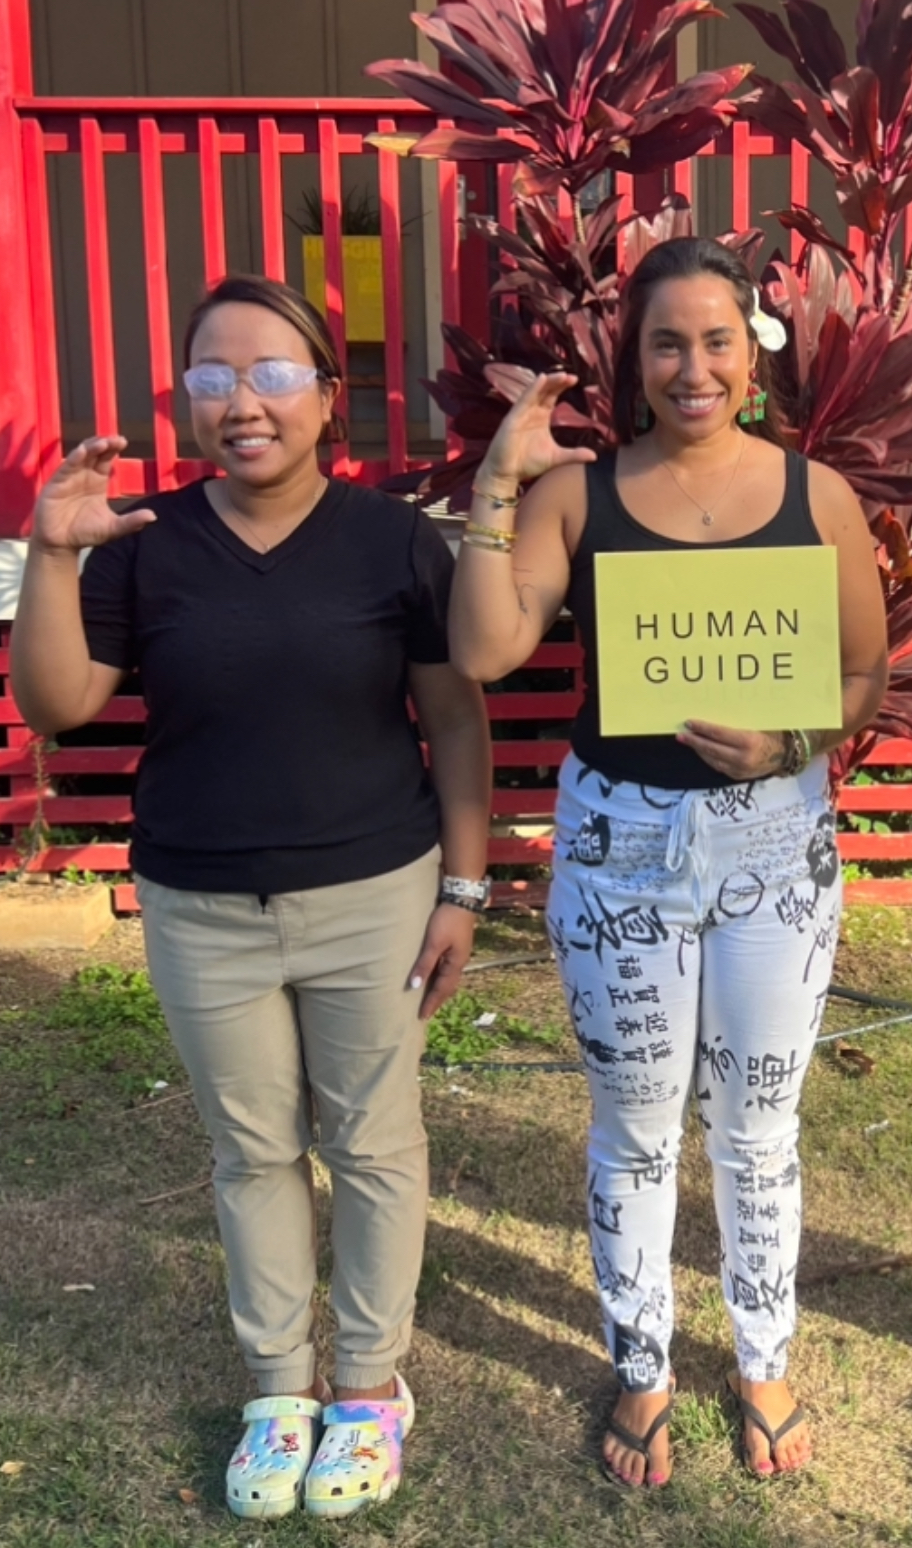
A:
<point x="272" y="1009"/>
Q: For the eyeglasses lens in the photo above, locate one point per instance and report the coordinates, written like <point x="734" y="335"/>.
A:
<point x="267" y="378"/>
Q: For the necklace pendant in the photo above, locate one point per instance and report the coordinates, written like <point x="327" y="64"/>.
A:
<point x="707" y="518"/>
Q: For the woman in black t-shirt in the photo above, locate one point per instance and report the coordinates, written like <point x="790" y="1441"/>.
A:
<point x="287" y="845"/>
<point x="695" y="905"/>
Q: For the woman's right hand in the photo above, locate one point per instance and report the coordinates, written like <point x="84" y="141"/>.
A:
<point x="73" y="512"/>
<point x="524" y="446"/>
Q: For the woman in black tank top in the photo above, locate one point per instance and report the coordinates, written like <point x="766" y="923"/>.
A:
<point x="695" y="905"/>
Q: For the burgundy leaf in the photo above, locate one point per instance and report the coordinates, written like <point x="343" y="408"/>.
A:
<point x="447" y="402"/>
<point x="817" y="38"/>
<point x="775" y="35"/>
<point x="603" y="117"/>
<point x="671" y="142"/>
<point x="610" y="40"/>
<point x="510" y="381"/>
<point x="568" y="418"/>
<point x="863" y="199"/>
<point x="810" y="226"/>
<point x="497" y="83"/>
<point x="466" y="348"/>
<point x="885" y="46"/>
<point x="831" y="361"/>
<point x="504" y="38"/>
<point x="603" y="226"/>
<point x="700" y="91"/>
<point x="479" y="423"/>
<point x="893" y="381"/>
<point x="747" y="244"/>
<point x="429" y="87"/>
<point x="857" y="93"/>
<point x="820" y="295"/>
<point x="647" y="63"/>
<point x="532" y="182"/>
<point x="801" y="335"/>
<point x="768" y="105"/>
<point x="825" y="129"/>
<point x="565" y="44"/>
<point x="460" y="145"/>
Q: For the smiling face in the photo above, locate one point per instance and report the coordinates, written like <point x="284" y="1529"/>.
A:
<point x="259" y="441"/>
<point x="695" y="356"/>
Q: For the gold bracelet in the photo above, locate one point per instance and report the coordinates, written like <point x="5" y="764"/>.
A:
<point x="497" y="532"/>
<point x="499" y="502"/>
<point x="493" y="545"/>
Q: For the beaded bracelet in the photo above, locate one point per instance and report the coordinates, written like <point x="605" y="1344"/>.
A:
<point x="797" y="752"/>
<point x="499" y="502"/>
<point x="494" y="545"/>
<point x="494" y="532"/>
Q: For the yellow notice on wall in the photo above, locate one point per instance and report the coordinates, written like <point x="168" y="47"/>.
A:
<point x="739" y="637"/>
<point x="362" y="284"/>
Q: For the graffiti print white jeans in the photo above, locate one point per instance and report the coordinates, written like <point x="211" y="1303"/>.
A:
<point x="695" y="933"/>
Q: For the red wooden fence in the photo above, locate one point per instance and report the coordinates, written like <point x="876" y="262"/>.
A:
<point x="96" y="133"/>
<point x="61" y="788"/>
<point x="530" y="740"/>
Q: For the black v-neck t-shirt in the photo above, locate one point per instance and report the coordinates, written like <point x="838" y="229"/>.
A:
<point x="610" y="528"/>
<point x="279" y="750"/>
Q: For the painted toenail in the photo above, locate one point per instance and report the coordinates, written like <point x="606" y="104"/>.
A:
<point x="764" y="1467"/>
<point x="656" y="1478"/>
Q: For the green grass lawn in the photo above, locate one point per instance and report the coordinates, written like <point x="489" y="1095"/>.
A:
<point x="121" y="1401"/>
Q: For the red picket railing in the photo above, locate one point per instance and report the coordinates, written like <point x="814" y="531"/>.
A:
<point x="210" y="132"/>
<point x="153" y="133"/>
<point x="530" y="740"/>
<point x="80" y="792"/>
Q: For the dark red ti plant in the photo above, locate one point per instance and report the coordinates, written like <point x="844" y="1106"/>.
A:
<point x="560" y="312"/>
<point x="566" y="89"/>
<point x="850" y="387"/>
<point x="857" y="121"/>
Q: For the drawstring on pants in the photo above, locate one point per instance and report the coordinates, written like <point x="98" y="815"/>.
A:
<point x="687" y="837"/>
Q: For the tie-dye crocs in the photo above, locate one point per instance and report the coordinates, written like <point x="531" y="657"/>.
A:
<point x="266" y="1474"/>
<point x="359" y="1461"/>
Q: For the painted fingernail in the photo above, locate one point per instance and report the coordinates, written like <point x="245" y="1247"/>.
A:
<point x="415" y="981"/>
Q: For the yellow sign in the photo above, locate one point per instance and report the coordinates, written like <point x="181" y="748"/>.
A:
<point x="362" y="284"/>
<point x="740" y="637"/>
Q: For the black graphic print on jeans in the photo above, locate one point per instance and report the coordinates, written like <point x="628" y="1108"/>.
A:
<point x="695" y="954"/>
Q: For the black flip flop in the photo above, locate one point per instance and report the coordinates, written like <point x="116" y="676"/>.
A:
<point x="639" y="1443"/>
<point x="751" y="1411"/>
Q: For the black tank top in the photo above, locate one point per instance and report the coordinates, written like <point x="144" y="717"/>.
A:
<point x="655" y="760"/>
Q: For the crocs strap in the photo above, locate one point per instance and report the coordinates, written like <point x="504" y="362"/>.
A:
<point x="282" y="1408"/>
<point x="364" y="1411"/>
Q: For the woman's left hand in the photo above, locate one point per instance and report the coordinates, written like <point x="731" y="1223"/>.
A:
<point x="444" y="953"/>
<point x="737" y="754"/>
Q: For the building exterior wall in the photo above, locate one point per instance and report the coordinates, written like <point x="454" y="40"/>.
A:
<point x="288" y="48"/>
<point x="214" y="48"/>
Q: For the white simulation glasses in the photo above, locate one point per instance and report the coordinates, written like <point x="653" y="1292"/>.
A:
<point x="267" y="378"/>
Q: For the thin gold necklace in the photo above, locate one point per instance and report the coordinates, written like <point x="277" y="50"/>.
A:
<point x="707" y="510"/>
<point x="265" y="547"/>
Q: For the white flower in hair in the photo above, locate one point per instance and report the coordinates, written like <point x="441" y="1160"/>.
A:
<point x="769" y="331"/>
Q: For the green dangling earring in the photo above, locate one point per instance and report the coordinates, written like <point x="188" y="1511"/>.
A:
<point x="641" y="412"/>
<point x="753" y="409"/>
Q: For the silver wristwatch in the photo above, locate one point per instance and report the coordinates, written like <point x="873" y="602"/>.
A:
<point x="472" y="895"/>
